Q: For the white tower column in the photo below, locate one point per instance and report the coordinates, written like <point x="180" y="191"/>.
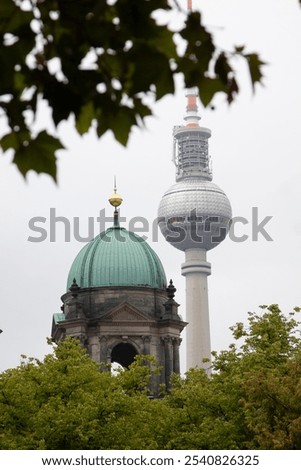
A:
<point x="196" y="269"/>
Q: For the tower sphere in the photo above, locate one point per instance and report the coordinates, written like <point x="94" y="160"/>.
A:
<point x="194" y="213"/>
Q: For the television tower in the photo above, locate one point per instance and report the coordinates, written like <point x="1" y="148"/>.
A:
<point x="194" y="217"/>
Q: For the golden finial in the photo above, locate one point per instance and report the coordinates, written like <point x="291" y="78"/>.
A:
<point x="115" y="200"/>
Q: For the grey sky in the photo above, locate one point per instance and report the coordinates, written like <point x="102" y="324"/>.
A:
<point x="255" y="149"/>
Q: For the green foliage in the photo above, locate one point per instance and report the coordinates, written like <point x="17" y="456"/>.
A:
<point x="65" y="402"/>
<point x="98" y="62"/>
<point x="252" y="400"/>
<point x="206" y="413"/>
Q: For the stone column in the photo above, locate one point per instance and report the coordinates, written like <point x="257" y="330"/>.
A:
<point x="176" y="355"/>
<point x="168" y="351"/>
<point x="94" y="348"/>
<point x="103" y="340"/>
<point x="146" y="344"/>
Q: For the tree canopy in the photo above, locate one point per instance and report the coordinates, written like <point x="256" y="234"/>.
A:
<point x="251" y="400"/>
<point x="101" y="62"/>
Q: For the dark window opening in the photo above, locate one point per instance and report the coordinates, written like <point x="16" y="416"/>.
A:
<point x="124" y="354"/>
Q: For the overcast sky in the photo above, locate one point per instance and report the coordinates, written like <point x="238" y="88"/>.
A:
<point x="255" y="149"/>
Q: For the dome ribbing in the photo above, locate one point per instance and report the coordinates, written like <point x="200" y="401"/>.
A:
<point x="117" y="258"/>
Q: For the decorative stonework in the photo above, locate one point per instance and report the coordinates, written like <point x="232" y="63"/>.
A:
<point x="126" y="313"/>
<point x="114" y="329"/>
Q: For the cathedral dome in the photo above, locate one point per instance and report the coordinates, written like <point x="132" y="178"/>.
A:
<point x="117" y="258"/>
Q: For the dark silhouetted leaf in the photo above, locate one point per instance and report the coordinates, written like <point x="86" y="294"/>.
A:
<point x="208" y="87"/>
<point x="255" y="67"/>
<point x="122" y="124"/>
<point x="84" y="120"/>
<point x="222" y="68"/>
<point x="9" y="141"/>
<point x="232" y="89"/>
<point x="38" y="155"/>
<point x="239" y="49"/>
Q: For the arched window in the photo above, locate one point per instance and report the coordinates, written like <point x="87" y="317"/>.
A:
<point x="123" y="354"/>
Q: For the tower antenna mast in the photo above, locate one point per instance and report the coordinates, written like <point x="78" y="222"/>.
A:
<point x="191" y="117"/>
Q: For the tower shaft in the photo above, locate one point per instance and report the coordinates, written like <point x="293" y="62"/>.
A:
<point x="196" y="269"/>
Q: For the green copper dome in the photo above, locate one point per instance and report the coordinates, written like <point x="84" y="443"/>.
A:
<point x="117" y="257"/>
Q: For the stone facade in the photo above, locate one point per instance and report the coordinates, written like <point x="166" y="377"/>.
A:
<point x="117" y="323"/>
